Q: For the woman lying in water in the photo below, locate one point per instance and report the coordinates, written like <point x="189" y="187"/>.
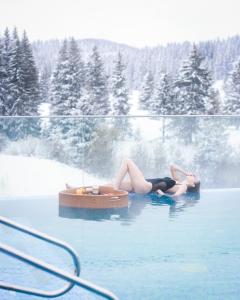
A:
<point x="139" y="184"/>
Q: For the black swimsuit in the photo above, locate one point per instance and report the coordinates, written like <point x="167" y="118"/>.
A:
<point x="162" y="184"/>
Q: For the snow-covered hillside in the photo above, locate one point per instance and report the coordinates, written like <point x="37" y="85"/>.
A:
<point x="30" y="176"/>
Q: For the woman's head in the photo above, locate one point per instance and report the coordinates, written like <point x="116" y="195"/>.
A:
<point x="193" y="184"/>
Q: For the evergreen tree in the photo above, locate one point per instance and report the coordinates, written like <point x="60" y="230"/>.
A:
<point x="44" y="84"/>
<point x="74" y="144"/>
<point x="15" y="87"/>
<point x="193" y="86"/>
<point x="99" y="155"/>
<point x="76" y="77"/>
<point x="19" y="93"/>
<point x="15" y="78"/>
<point x="213" y="106"/>
<point x="232" y="105"/>
<point x="89" y="123"/>
<point x="6" y="48"/>
<point x="60" y="86"/>
<point x="30" y="79"/>
<point x="31" y="93"/>
<point x="3" y="78"/>
<point x="68" y="80"/>
<point x="60" y="92"/>
<point x="21" y="76"/>
<point x="67" y="99"/>
<point x="146" y="91"/>
<point x="6" y="44"/>
<point x="82" y="129"/>
<point x="97" y="84"/>
<point x="119" y="89"/>
<point x="162" y="103"/>
<point x="86" y="105"/>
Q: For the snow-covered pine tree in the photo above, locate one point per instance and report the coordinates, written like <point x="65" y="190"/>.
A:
<point x="76" y="76"/>
<point x="31" y="92"/>
<point x="60" y="87"/>
<point x="15" y="78"/>
<point x="213" y="106"/>
<point x="120" y="99"/>
<point x="94" y="100"/>
<point x="30" y="78"/>
<point x="44" y="84"/>
<point x="59" y="95"/>
<point x="191" y="93"/>
<point x="97" y="84"/>
<point x="192" y="86"/>
<point x="66" y="99"/>
<point x="3" y="93"/>
<point x="162" y="102"/>
<point x="19" y="85"/>
<point x="3" y="78"/>
<point x="21" y="76"/>
<point x="81" y="131"/>
<point x="89" y="124"/>
<point x="75" y="136"/>
<point x="15" y="87"/>
<point x="232" y="105"/>
<point x="5" y="124"/>
<point x="146" y="91"/>
<point x="86" y="105"/>
<point x="6" y="44"/>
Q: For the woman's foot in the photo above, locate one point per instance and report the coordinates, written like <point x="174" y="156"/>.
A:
<point x="68" y="187"/>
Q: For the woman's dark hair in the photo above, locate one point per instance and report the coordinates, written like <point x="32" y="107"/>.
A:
<point x="194" y="189"/>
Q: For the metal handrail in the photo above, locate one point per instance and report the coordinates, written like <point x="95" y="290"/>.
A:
<point x="47" y="239"/>
<point x="39" y="264"/>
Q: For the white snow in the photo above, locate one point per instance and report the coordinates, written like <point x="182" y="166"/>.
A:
<point x="31" y="176"/>
<point x="234" y="139"/>
<point x="44" y="109"/>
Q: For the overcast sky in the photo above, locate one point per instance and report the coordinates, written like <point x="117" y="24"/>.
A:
<point x="134" y="22"/>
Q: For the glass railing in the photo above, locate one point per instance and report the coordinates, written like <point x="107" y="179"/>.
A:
<point x="43" y="153"/>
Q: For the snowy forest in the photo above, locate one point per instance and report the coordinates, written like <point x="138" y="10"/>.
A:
<point x="93" y="77"/>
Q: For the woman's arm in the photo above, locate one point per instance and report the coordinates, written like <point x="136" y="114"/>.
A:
<point x="182" y="188"/>
<point x="176" y="169"/>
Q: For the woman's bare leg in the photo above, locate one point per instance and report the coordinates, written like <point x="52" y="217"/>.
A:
<point x="122" y="172"/>
<point x="138" y="182"/>
<point x="126" y="186"/>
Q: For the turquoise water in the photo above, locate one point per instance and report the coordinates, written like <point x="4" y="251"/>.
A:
<point x="156" y="249"/>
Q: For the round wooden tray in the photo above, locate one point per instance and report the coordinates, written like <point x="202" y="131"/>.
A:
<point x="70" y="198"/>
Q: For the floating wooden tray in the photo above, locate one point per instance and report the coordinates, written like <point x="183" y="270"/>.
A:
<point x="70" y="198"/>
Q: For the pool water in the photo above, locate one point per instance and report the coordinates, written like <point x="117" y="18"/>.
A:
<point x="155" y="249"/>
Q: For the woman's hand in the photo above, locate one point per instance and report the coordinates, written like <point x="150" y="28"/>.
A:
<point x="159" y="192"/>
<point x="176" y="169"/>
<point x="190" y="174"/>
